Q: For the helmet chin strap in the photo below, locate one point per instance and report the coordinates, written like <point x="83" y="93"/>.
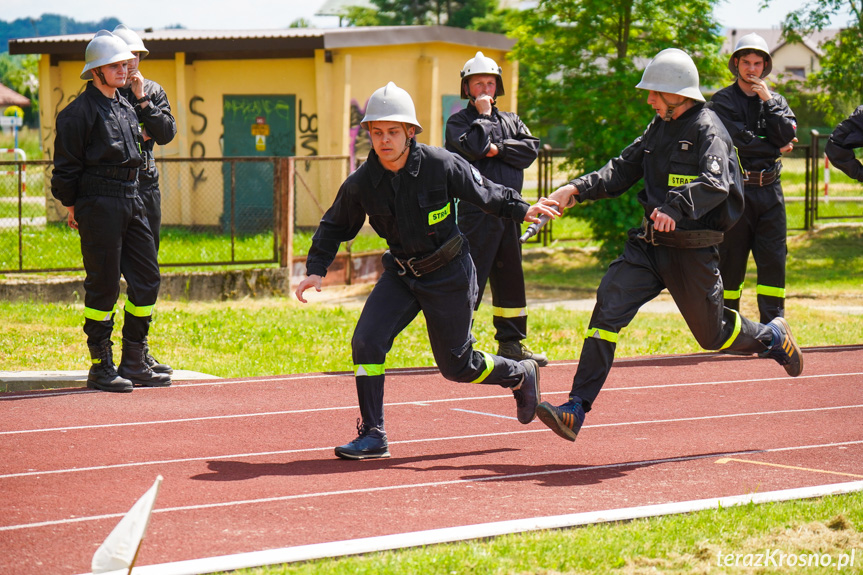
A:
<point x="98" y="72"/>
<point x="407" y="144"/>
<point x="670" y="107"/>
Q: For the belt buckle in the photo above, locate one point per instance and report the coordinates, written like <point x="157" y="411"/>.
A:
<point x="410" y="267"/>
<point x="647" y="234"/>
<point x="761" y="178"/>
<point x="407" y="266"/>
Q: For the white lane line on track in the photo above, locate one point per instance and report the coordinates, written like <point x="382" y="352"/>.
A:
<point x="425" y="485"/>
<point x="393" y="404"/>
<point x="402" y="403"/>
<point x="498" y="415"/>
<point x="476" y="532"/>
<point x="401" y="442"/>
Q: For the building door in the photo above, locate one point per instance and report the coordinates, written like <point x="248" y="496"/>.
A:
<point x="255" y="126"/>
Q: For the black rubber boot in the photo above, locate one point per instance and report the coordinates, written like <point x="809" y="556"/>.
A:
<point x="134" y="368"/>
<point x="153" y="363"/>
<point x="103" y="375"/>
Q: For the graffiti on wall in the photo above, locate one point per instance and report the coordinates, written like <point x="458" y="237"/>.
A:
<point x="197" y="148"/>
<point x="308" y="128"/>
<point x="360" y="144"/>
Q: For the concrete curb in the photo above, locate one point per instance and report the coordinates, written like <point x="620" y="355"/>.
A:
<point x="16" y="381"/>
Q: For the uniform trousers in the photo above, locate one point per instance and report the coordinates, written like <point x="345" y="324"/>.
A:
<point x="639" y="275"/>
<point x="446" y="298"/>
<point x="496" y="253"/>
<point x="116" y="239"/>
<point x="152" y="198"/>
<point x="762" y="229"/>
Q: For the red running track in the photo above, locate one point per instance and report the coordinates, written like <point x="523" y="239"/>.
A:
<point x="248" y="463"/>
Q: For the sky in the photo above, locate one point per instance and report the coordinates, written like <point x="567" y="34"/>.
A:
<point x="270" y="14"/>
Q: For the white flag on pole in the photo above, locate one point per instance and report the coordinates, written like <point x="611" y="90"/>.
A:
<point x="121" y="547"/>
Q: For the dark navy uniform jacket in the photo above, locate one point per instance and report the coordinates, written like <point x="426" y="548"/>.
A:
<point x="470" y="135"/>
<point x="847" y="136"/>
<point x="758" y="128"/>
<point x="93" y="133"/>
<point x="689" y="168"/>
<point x="160" y="125"/>
<point x="412" y="209"/>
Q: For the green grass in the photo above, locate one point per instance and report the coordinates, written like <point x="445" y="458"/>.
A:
<point x="690" y="543"/>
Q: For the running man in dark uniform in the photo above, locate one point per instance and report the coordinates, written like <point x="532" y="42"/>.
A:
<point x="692" y="194"/>
<point x="407" y="190"/>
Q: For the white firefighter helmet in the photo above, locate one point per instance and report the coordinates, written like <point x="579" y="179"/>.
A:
<point x="391" y="104"/>
<point x="752" y="42"/>
<point x="672" y="71"/>
<point x="104" y="49"/>
<point x="132" y="39"/>
<point x="481" y="64"/>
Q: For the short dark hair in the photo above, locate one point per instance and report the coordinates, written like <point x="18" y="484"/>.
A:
<point x="748" y="51"/>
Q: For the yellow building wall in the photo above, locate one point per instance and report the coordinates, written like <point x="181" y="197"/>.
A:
<point x="331" y="90"/>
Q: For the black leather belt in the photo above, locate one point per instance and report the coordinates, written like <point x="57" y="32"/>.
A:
<point x="687" y="239"/>
<point x="114" y="172"/>
<point x="442" y="256"/>
<point x="762" y="178"/>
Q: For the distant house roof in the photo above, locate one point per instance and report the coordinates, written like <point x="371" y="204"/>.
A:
<point x="774" y="39"/>
<point x="9" y="97"/>
<point x="283" y="43"/>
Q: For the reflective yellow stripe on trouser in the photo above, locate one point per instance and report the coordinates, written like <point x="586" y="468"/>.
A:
<point x="729" y="294"/>
<point x="489" y="365"/>
<point x="770" y="291"/>
<point x="734" y="333"/>
<point x="99" y="315"/>
<point x="369" y="369"/>
<point x="509" y="312"/>
<point x="597" y="333"/>
<point x="142" y="311"/>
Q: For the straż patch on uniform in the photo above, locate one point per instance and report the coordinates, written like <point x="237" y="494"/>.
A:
<point x="685" y="145"/>
<point x="476" y="175"/>
<point x="714" y="164"/>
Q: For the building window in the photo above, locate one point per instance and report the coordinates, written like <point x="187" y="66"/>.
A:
<point x="796" y="72"/>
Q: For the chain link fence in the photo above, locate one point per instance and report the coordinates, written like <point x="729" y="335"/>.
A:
<point x="215" y="212"/>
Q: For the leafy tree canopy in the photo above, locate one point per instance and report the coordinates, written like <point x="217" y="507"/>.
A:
<point x="455" y="13"/>
<point x="838" y="86"/>
<point x="579" y="62"/>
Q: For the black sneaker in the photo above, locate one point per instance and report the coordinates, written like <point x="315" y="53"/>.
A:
<point x="565" y="420"/>
<point x="784" y="348"/>
<point x="517" y="351"/>
<point x="527" y="395"/>
<point x="371" y="443"/>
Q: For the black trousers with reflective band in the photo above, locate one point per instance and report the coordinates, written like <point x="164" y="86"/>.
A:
<point x="496" y="252"/>
<point x="638" y="276"/>
<point x="116" y="239"/>
<point x="762" y="230"/>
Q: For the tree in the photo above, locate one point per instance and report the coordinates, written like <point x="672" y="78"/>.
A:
<point x="838" y="87"/>
<point x="579" y="62"/>
<point x="456" y="13"/>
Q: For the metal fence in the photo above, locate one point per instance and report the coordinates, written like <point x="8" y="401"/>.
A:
<point x="215" y="211"/>
<point x="803" y="184"/>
